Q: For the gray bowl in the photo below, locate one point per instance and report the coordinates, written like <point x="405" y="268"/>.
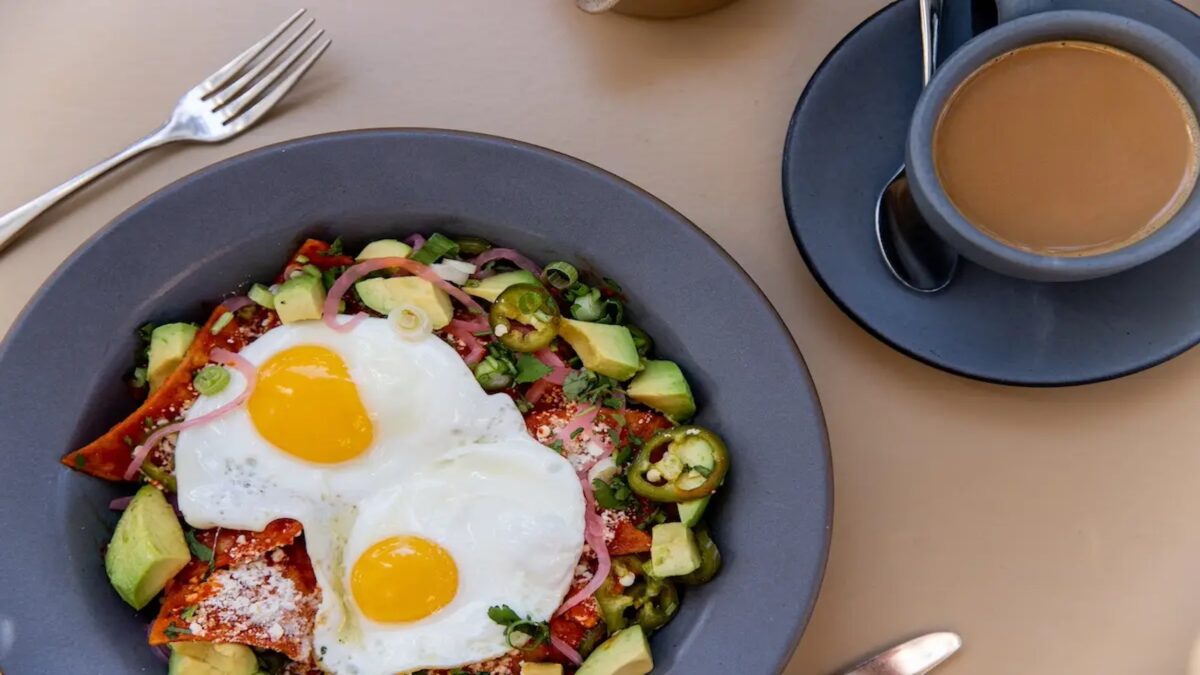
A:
<point x="174" y="255"/>
<point x="1157" y="48"/>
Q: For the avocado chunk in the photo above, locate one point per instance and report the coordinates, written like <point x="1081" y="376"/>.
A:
<point x="691" y="512"/>
<point x="384" y="248"/>
<point x="625" y="653"/>
<point x="211" y="658"/>
<point x="300" y="299"/>
<point x="384" y="295"/>
<point x="673" y="550"/>
<point x="168" y="344"/>
<point x="662" y="386"/>
<point x="603" y="348"/>
<point x="541" y="669"/>
<point x="147" y="548"/>
<point x="490" y="288"/>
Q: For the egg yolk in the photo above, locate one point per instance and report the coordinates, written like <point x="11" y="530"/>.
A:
<point x="305" y="404"/>
<point x="403" y="578"/>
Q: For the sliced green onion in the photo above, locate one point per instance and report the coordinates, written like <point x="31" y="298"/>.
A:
<point x="588" y="307"/>
<point x="493" y="374"/>
<point x="262" y="296"/>
<point x="221" y="322"/>
<point x="641" y="340"/>
<point x="211" y="380"/>
<point x="410" y="322"/>
<point x="436" y="247"/>
<point x="560" y="275"/>
<point x="612" y="311"/>
<point x="470" y="247"/>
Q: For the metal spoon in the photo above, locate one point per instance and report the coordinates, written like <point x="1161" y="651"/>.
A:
<point x="916" y="256"/>
<point x="915" y="657"/>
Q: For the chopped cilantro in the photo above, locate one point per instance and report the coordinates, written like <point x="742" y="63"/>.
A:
<point x="128" y="441"/>
<point x="585" y="385"/>
<point x="622" y="455"/>
<point x="557" y="445"/>
<point x="531" y="369"/>
<point x="188" y="612"/>
<point x="204" y="553"/>
<point x="614" y="402"/>
<point x="173" y="632"/>
<point x="613" y="495"/>
<point x="520" y="633"/>
<point x="330" y="276"/>
<point x="80" y="461"/>
<point x="336" y="247"/>
<point x="575" y="434"/>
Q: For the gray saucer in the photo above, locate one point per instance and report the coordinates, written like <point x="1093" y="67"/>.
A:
<point x="846" y="139"/>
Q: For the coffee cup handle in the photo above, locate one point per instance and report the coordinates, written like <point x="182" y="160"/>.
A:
<point x="1015" y="9"/>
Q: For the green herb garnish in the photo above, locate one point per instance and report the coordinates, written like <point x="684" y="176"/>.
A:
<point x="524" y="634"/>
<point x="613" y="495"/>
<point x="173" y="632"/>
<point x="531" y="369"/>
<point x="188" y="612"/>
<point x="80" y="461"/>
<point x="204" y="553"/>
<point x="587" y="386"/>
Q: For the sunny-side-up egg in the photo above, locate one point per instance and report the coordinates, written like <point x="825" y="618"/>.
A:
<point x="424" y="500"/>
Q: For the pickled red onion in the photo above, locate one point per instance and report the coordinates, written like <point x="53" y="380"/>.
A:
<point x="222" y="356"/>
<point x="510" y="255"/>
<point x="415" y="240"/>
<point x="120" y="503"/>
<point x="565" y="649"/>
<point x="462" y="330"/>
<point x="593" y="534"/>
<point x="236" y="302"/>
<point x="583" y="421"/>
<point x="560" y="370"/>
<point x="356" y="272"/>
<point x="537" y="390"/>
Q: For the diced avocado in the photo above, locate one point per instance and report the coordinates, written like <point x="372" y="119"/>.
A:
<point x="625" y="653"/>
<point x="384" y="248"/>
<point x="168" y="344"/>
<point x="673" y="550"/>
<point x="300" y="299"/>
<point x="211" y="658"/>
<point x="662" y="386"/>
<point x="603" y="348"/>
<point x="262" y="296"/>
<point x="541" y="669"/>
<point x="690" y="512"/>
<point x="147" y="548"/>
<point x="385" y="294"/>
<point x="490" y="288"/>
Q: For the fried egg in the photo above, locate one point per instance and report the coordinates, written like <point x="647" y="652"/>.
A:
<point x="424" y="500"/>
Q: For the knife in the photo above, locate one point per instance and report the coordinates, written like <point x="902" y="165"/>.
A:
<point x="915" y="657"/>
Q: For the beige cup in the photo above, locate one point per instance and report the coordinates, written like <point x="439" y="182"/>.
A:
<point x="652" y="9"/>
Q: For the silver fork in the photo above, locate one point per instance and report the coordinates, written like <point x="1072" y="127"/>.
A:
<point x="222" y="106"/>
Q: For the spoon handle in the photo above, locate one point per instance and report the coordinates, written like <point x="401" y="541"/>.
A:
<point x="931" y="20"/>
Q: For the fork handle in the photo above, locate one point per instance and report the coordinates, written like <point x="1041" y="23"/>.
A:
<point x="13" y="222"/>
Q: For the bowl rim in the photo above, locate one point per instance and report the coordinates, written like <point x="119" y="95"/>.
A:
<point x="1165" y="53"/>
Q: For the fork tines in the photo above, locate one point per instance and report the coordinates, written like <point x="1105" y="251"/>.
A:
<point x="260" y="76"/>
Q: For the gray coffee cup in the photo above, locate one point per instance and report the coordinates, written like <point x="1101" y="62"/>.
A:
<point x="1174" y="60"/>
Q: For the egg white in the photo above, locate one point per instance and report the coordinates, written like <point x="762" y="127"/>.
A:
<point x="448" y="462"/>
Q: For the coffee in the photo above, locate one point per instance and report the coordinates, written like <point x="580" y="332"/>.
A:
<point x="1067" y="148"/>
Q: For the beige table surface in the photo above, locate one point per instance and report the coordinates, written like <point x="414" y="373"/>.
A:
<point x="1058" y="531"/>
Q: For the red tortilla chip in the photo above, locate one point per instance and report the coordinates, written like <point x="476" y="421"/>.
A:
<point x="108" y="456"/>
<point x="232" y="547"/>
<point x="627" y="539"/>
<point x="269" y="602"/>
